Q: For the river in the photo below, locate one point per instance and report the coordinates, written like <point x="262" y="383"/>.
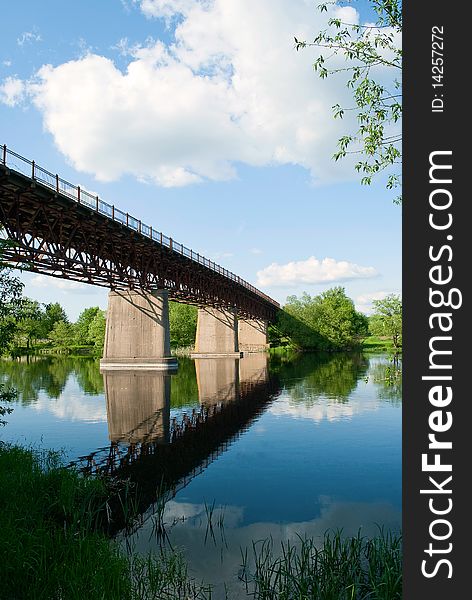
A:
<point x="286" y="446"/>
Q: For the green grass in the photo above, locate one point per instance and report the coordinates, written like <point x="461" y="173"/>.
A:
<point x="52" y="544"/>
<point x="375" y="343"/>
<point x="353" y="568"/>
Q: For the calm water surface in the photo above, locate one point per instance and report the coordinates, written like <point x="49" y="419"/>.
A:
<point x="281" y="447"/>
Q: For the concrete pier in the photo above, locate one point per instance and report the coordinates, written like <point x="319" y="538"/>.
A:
<point x="137" y="332"/>
<point x="252" y="335"/>
<point x="217" y="334"/>
<point x="138" y="406"/>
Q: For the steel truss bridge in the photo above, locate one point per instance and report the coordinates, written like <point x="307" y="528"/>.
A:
<point x="59" y="229"/>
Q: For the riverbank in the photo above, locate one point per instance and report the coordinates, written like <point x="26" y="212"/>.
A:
<point x="53" y="545"/>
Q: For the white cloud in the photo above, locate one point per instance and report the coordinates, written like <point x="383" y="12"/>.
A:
<point x="74" y="407"/>
<point x="43" y="281"/>
<point x="12" y="91"/>
<point x="364" y="301"/>
<point x="323" y="409"/>
<point x="28" y="37"/>
<point x="312" y="271"/>
<point x="230" y="88"/>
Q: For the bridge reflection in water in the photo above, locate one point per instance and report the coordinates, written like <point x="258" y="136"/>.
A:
<point x="157" y="452"/>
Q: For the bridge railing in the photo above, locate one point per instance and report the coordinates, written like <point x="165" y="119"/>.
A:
<point x="81" y="196"/>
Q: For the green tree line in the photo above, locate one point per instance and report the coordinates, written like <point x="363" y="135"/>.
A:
<point x="27" y="325"/>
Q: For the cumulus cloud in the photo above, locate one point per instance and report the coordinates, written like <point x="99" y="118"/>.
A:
<point x="312" y="271"/>
<point x="12" y="91"/>
<point x="229" y="89"/>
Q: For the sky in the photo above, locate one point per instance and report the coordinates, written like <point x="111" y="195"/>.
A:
<point x="200" y="118"/>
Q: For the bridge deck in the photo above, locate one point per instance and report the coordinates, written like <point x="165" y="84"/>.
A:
<point x="62" y="230"/>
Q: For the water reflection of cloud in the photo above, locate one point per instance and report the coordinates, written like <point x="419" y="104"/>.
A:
<point x="73" y="407"/>
<point x="322" y="409"/>
<point x="196" y="514"/>
<point x="218" y="559"/>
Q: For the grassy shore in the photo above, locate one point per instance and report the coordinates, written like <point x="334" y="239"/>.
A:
<point x="378" y="344"/>
<point x="53" y="546"/>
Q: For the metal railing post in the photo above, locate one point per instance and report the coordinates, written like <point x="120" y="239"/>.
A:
<point x="4" y="154"/>
<point x="32" y="169"/>
<point x="57" y="183"/>
<point x="97" y="202"/>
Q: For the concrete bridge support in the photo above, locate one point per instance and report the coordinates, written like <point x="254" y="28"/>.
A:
<point x="138" y="406"/>
<point x="217" y="333"/>
<point x="252" y="335"/>
<point x="137" y="332"/>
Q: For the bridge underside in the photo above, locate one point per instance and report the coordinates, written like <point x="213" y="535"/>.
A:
<point x="59" y="236"/>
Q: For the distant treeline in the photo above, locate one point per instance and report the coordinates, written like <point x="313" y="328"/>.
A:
<point x="326" y="322"/>
<point x="30" y="325"/>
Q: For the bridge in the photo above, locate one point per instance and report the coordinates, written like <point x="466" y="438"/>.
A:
<point x="61" y="230"/>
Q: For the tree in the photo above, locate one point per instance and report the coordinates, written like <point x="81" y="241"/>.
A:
<point x="62" y="334"/>
<point x="183" y="324"/>
<point x="83" y="324"/>
<point x="29" y="325"/>
<point x="10" y="297"/>
<point x="96" y="331"/>
<point x="10" y="303"/>
<point x="373" y="61"/>
<point x="53" y="313"/>
<point x="328" y="321"/>
<point x="387" y="319"/>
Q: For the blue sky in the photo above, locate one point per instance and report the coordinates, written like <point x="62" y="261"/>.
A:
<point x="200" y="118"/>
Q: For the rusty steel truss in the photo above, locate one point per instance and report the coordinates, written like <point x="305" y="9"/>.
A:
<point x="60" y="230"/>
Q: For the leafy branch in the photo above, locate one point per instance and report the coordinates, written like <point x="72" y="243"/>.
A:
<point x="371" y="51"/>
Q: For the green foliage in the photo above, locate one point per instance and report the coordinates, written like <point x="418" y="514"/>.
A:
<point x="96" y="331"/>
<point x="62" y="334"/>
<point x="83" y="324"/>
<point x="387" y="319"/>
<point x="53" y="313"/>
<point x="183" y="324"/>
<point x="328" y="321"/>
<point x="10" y="300"/>
<point x="372" y="56"/>
<point x="7" y="394"/>
<point x="29" y="322"/>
